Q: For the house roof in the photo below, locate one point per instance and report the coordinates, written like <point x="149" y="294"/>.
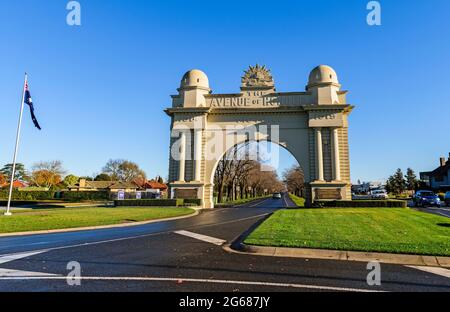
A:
<point x="123" y="185"/>
<point x="155" y="185"/>
<point x="441" y="171"/>
<point x="16" y="184"/>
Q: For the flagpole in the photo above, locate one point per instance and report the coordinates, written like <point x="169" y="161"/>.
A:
<point x="8" y="208"/>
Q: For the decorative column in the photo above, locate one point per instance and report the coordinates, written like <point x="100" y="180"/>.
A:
<point x="336" y="156"/>
<point x="319" y="155"/>
<point x="182" y="167"/>
<point x="198" y="142"/>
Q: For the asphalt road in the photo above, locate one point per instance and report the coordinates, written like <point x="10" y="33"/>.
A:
<point x="186" y="256"/>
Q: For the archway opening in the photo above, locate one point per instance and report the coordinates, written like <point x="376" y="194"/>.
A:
<point x="256" y="169"/>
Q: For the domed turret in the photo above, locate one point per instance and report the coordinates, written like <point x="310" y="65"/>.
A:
<point x="195" y="78"/>
<point x="323" y="74"/>
<point x="324" y="85"/>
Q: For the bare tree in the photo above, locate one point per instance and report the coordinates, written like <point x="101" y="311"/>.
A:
<point x="294" y="179"/>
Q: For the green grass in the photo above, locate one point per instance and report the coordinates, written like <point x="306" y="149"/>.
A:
<point x="390" y="230"/>
<point x="299" y="201"/>
<point x="63" y="218"/>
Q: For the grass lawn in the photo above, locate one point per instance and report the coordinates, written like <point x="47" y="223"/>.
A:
<point x="299" y="201"/>
<point x="403" y="231"/>
<point x="63" y="218"/>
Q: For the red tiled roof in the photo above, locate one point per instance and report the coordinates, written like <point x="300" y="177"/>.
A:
<point x="155" y="185"/>
<point x="16" y="184"/>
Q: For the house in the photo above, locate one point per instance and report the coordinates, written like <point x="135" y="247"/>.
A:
<point x="438" y="179"/>
<point x="155" y="187"/>
<point x="16" y="185"/>
<point x="106" y="186"/>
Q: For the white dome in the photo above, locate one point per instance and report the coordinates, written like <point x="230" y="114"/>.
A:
<point x="323" y="74"/>
<point x="195" y="78"/>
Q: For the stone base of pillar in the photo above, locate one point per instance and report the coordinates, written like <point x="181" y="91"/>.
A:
<point x="336" y="190"/>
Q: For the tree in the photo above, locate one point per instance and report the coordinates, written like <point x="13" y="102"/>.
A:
<point x="3" y="179"/>
<point x="123" y="170"/>
<point x="71" y="180"/>
<point x="47" y="174"/>
<point x="20" y="173"/>
<point x="396" y="183"/>
<point x="103" y="177"/>
<point x="411" y="180"/>
<point x="160" y="180"/>
<point x="294" y="180"/>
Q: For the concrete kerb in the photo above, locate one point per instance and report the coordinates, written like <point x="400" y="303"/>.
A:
<point x="306" y="253"/>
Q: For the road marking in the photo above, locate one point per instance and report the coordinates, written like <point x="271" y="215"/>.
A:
<point x="433" y="270"/>
<point x="195" y="280"/>
<point x="7" y="273"/>
<point x="140" y="236"/>
<point x="18" y="256"/>
<point x="204" y="238"/>
<point x="16" y="273"/>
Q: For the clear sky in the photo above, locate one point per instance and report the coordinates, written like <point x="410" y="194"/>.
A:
<point x="100" y="89"/>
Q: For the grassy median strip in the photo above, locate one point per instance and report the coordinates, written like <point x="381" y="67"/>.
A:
<point x="402" y="231"/>
<point x="64" y="218"/>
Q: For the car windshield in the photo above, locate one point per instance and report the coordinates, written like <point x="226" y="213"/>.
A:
<point x="426" y="194"/>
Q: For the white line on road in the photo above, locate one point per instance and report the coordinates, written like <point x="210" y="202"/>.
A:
<point x="18" y="256"/>
<point x="434" y="270"/>
<point x="140" y="236"/>
<point x="204" y="238"/>
<point x="5" y="273"/>
<point x="195" y="280"/>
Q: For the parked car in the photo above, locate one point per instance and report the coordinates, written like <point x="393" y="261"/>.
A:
<point x="447" y="198"/>
<point x="276" y="196"/>
<point x="426" y="198"/>
<point x="379" y="194"/>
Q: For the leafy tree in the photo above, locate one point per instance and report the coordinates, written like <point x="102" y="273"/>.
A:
<point x="396" y="183"/>
<point x="123" y="170"/>
<point x="47" y="174"/>
<point x="20" y="173"/>
<point x="160" y="180"/>
<point x="411" y="180"/>
<point x="103" y="177"/>
<point x="45" y="178"/>
<point x="70" y="180"/>
<point x="3" y="179"/>
<point x="87" y="178"/>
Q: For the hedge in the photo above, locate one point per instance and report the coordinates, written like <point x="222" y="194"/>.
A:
<point x="80" y="196"/>
<point x="4" y="203"/>
<point x="362" y="204"/>
<point x="28" y="195"/>
<point x="194" y="202"/>
<point x="149" y="203"/>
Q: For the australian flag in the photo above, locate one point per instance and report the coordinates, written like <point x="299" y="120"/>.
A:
<point x="29" y="102"/>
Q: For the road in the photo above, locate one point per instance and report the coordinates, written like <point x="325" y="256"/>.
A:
<point x="187" y="255"/>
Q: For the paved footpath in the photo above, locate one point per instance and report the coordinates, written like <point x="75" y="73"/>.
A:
<point x="188" y="255"/>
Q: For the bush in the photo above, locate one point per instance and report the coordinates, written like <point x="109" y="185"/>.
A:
<point x="28" y="195"/>
<point x="149" y="203"/>
<point x="82" y="196"/>
<point x="4" y="203"/>
<point x="193" y="202"/>
<point x="362" y="204"/>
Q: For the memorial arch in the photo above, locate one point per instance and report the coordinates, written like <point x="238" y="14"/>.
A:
<point x="312" y="125"/>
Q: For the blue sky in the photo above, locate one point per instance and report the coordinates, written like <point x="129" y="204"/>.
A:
<point x="100" y="89"/>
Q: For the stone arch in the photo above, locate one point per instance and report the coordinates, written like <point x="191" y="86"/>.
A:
<point x="312" y="125"/>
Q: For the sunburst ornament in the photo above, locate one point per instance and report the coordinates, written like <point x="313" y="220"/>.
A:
<point x="257" y="76"/>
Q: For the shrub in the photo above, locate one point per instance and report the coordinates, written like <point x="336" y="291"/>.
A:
<point x="149" y="203"/>
<point x="362" y="204"/>
<point x="81" y="196"/>
<point x="193" y="202"/>
<point x="28" y="195"/>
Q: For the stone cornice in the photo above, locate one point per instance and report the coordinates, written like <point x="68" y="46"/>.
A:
<point x="187" y="110"/>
